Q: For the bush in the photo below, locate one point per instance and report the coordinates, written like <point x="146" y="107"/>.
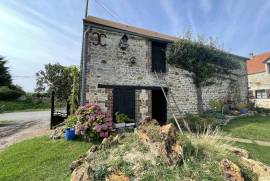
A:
<point x="213" y="114"/>
<point x="71" y="121"/>
<point x="216" y="105"/>
<point x="242" y="106"/>
<point x="11" y="92"/>
<point x="121" y="118"/>
<point x="92" y="122"/>
<point x="198" y="123"/>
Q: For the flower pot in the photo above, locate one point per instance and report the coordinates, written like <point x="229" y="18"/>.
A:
<point x="70" y="134"/>
<point x="119" y="125"/>
<point x="130" y="124"/>
<point x="243" y="111"/>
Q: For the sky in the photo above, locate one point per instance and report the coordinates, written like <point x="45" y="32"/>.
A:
<point x="37" y="32"/>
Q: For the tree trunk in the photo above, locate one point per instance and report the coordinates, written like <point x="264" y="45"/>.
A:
<point x="199" y="99"/>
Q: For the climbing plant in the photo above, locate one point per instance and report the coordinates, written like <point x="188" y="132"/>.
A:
<point x="205" y="60"/>
<point x="74" y="94"/>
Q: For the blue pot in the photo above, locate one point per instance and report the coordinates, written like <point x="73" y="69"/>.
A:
<point x="244" y="111"/>
<point x="70" y="134"/>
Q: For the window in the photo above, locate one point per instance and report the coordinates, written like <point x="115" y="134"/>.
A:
<point x="268" y="68"/>
<point x="261" y="94"/>
<point x="158" y="57"/>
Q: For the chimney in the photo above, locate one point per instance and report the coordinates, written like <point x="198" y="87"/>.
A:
<point x="251" y="55"/>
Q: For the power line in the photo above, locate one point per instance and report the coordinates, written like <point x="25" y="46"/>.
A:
<point x="24" y="76"/>
<point x="110" y="12"/>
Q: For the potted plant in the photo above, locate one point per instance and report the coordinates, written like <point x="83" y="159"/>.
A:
<point x="243" y="108"/>
<point x="120" y="120"/>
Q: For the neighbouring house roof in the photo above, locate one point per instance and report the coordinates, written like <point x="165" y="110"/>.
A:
<point x="257" y="63"/>
<point x="132" y="29"/>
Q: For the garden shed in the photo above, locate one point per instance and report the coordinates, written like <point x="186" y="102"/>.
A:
<point x="117" y="71"/>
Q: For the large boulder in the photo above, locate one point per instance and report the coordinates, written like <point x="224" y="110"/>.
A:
<point x="116" y="176"/>
<point x="231" y="172"/>
<point x="261" y="170"/>
<point x="161" y="140"/>
<point x="238" y="151"/>
<point x="82" y="173"/>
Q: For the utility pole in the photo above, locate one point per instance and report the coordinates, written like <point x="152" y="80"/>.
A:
<point x="83" y="65"/>
<point x="86" y="9"/>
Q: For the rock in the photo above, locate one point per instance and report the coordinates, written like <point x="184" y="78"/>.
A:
<point x="230" y="171"/>
<point x="82" y="173"/>
<point x="161" y="140"/>
<point x="238" y="151"/>
<point x="117" y="176"/>
<point x="75" y="164"/>
<point x="57" y="133"/>
<point x="261" y="170"/>
<point x="111" y="140"/>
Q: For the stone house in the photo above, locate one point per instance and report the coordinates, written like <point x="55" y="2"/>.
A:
<point x="117" y="71"/>
<point x="258" y="68"/>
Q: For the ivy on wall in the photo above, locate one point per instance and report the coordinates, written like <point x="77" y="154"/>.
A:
<point x="205" y="60"/>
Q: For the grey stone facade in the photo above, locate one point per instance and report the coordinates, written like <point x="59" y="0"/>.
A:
<point x="109" y="65"/>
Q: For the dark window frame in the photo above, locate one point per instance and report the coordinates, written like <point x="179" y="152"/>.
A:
<point x="158" y="49"/>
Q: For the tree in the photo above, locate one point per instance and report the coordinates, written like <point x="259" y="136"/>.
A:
<point x="74" y="95"/>
<point x="5" y="77"/>
<point x="54" y="77"/>
<point x="206" y="62"/>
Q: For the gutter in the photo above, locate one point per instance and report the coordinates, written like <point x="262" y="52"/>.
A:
<point x="83" y="68"/>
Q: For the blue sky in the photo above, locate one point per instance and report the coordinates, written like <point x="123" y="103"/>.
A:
<point x="36" y="32"/>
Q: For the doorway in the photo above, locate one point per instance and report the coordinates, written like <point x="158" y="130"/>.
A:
<point x="124" y="102"/>
<point x="159" y="107"/>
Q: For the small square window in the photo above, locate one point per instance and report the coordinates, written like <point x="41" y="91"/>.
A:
<point x="261" y="94"/>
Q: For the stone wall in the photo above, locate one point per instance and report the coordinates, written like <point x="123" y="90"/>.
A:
<point x="109" y="65"/>
<point x="259" y="81"/>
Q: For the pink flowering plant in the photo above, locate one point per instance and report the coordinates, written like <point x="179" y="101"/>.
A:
<point x="92" y="121"/>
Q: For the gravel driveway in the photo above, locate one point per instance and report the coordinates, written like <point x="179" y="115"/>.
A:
<point x="18" y="126"/>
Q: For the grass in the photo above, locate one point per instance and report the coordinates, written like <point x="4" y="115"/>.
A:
<point x="40" y="159"/>
<point x="252" y="127"/>
<point x="12" y="106"/>
<point x="257" y="152"/>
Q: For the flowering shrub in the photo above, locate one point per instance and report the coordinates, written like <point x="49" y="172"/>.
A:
<point x="93" y="122"/>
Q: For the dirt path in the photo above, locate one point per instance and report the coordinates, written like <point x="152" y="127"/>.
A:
<point x="19" y="126"/>
<point x="258" y="142"/>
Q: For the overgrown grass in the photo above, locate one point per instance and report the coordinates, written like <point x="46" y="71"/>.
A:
<point x="257" y="152"/>
<point x="11" y="106"/>
<point x="40" y="159"/>
<point x="253" y="127"/>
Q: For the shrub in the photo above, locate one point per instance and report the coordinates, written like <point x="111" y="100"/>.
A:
<point x="213" y="114"/>
<point x="93" y="122"/>
<point x="11" y="92"/>
<point x="216" y="105"/>
<point x="71" y="121"/>
<point x="262" y="110"/>
<point x="199" y="123"/>
<point x="121" y="118"/>
<point x="242" y="106"/>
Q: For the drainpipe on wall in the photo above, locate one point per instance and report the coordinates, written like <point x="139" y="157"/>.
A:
<point x="83" y="68"/>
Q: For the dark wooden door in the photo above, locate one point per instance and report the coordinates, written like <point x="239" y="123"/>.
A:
<point x="159" y="107"/>
<point x="124" y="101"/>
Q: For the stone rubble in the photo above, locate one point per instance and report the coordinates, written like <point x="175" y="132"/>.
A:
<point x="230" y="171"/>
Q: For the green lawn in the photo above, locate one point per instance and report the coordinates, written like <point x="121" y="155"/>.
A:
<point x="40" y="159"/>
<point x="253" y="127"/>
<point x="257" y="152"/>
<point x="11" y="106"/>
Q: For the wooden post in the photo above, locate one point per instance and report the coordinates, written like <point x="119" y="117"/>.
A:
<point x="52" y="108"/>
<point x="86" y="9"/>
